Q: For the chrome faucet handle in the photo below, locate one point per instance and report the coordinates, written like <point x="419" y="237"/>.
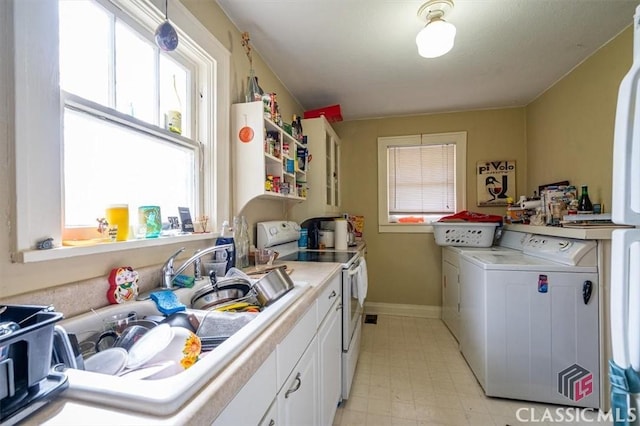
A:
<point x="167" y="269"/>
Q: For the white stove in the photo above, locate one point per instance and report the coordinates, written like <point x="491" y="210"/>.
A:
<point x="282" y="236"/>
<point x="278" y="233"/>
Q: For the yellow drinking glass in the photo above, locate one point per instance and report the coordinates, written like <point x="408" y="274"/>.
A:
<point x="118" y="214"/>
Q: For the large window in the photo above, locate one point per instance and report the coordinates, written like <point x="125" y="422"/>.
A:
<point x="91" y="94"/>
<point x="117" y="88"/>
<point x="420" y="179"/>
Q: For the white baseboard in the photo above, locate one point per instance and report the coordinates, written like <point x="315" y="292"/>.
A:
<point x="401" y="310"/>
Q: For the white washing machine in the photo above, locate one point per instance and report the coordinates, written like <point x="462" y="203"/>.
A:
<point x="529" y="321"/>
<point x="509" y="241"/>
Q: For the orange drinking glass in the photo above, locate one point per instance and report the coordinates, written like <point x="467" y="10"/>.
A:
<point x="118" y="214"/>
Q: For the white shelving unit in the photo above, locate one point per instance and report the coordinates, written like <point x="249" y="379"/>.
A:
<point x="256" y="158"/>
<point x="323" y="197"/>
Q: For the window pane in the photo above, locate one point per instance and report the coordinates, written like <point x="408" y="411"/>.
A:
<point x="106" y="163"/>
<point x="135" y="75"/>
<point x="173" y="96"/>
<point x="421" y="179"/>
<point x="85" y="39"/>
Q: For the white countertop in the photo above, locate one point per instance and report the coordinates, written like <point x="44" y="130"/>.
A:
<point x="581" y="233"/>
<point x="207" y="404"/>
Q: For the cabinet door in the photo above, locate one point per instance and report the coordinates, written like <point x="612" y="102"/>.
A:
<point x="332" y="172"/>
<point x="329" y="342"/>
<point x="298" y="398"/>
<point x="323" y="176"/>
<point x="451" y="298"/>
<point x="271" y="418"/>
<point x="253" y="400"/>
<point x="290" y="350"/>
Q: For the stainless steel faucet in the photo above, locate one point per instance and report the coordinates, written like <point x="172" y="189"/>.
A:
<point x="168" y="274"/>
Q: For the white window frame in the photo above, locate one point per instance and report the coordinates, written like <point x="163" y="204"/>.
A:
<point x="457" y="138"/>
<point x="38" y="127"/>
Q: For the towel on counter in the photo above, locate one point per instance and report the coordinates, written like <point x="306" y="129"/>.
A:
<point x="467" y="216"/>
<point x="360" y="285"/>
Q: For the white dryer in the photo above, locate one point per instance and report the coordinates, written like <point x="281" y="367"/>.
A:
<point x="530" y="321"/>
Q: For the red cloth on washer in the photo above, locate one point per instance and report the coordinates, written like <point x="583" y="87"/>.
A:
<point x="467" y="216"/>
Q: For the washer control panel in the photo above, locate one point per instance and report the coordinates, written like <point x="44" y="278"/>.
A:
<point x="562" y="250"/>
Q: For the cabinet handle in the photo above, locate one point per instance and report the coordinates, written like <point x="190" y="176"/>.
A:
<point x="339" y="306"/>
<point x="295" y="386"/>
<point x="272" y="422"/>
<point x="333" y="294"/>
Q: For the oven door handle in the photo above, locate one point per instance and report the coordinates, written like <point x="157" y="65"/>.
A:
<point x="355" y="268"/>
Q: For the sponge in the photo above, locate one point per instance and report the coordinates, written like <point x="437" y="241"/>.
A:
<point x="184" y="281"/>
<point x="167" y="302"/>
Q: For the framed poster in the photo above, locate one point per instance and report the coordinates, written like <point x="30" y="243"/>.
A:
<point x="496" y="181"/>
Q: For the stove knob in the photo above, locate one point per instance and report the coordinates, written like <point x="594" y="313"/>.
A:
<point x="273" y="230"/>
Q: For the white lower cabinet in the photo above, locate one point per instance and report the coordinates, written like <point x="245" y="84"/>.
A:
<point x="330" y="349"/>
<point x="299" y="384"/>
<point x="271" y="418"/>
<point x="451" y="291"/>
<point x="298" y="398"/>
<point x="249" y="405"/>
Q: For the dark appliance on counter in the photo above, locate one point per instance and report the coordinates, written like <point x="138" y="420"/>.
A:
<point x="313" y="226"/>
<point x="27" y="381"/>
<point x="313" y="230"/>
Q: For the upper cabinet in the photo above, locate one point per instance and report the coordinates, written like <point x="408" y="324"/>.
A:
<point x="268" y="161"/>
<point x="323" y="174"/>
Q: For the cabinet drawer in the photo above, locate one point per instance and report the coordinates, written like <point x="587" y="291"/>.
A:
<point x="330" y="294"/>
<point x="289" y="351"/>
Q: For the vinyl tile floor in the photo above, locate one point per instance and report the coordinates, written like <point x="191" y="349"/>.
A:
<point x="411" y="373"/>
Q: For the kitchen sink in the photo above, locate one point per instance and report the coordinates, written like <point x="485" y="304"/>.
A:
<point x="167" y="395"/>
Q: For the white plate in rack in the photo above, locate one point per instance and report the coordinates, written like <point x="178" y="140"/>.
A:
<point x="109" y="361"/>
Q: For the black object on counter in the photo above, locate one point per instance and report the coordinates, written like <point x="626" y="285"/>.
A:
<point x="313" y="230"/>
<point x="26" y="378"/>
<point x="313" y="235"/>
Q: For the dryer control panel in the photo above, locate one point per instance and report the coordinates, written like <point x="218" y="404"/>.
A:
<point x="567" y="251"/>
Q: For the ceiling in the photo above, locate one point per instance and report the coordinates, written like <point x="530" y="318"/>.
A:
<point x="362" y="54"/>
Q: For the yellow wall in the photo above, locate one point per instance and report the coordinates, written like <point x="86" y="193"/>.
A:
<point x="570" y="127"/>
<point x="214" y="19"/>
<point x="405" y="268"/>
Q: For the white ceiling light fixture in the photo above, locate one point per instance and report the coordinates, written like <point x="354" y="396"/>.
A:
<point x="437" y="37"/>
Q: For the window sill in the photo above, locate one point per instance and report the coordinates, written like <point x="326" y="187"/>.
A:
<point x="405" y="228"/>
<point x="67" y="252"/>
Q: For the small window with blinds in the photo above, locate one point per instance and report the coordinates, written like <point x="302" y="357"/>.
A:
<point x="420" y="179"/>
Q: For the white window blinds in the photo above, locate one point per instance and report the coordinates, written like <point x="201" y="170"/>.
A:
<point x="422" y="179"/>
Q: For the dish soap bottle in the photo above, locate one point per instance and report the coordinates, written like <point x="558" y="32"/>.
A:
<point x="226" y="237"/>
